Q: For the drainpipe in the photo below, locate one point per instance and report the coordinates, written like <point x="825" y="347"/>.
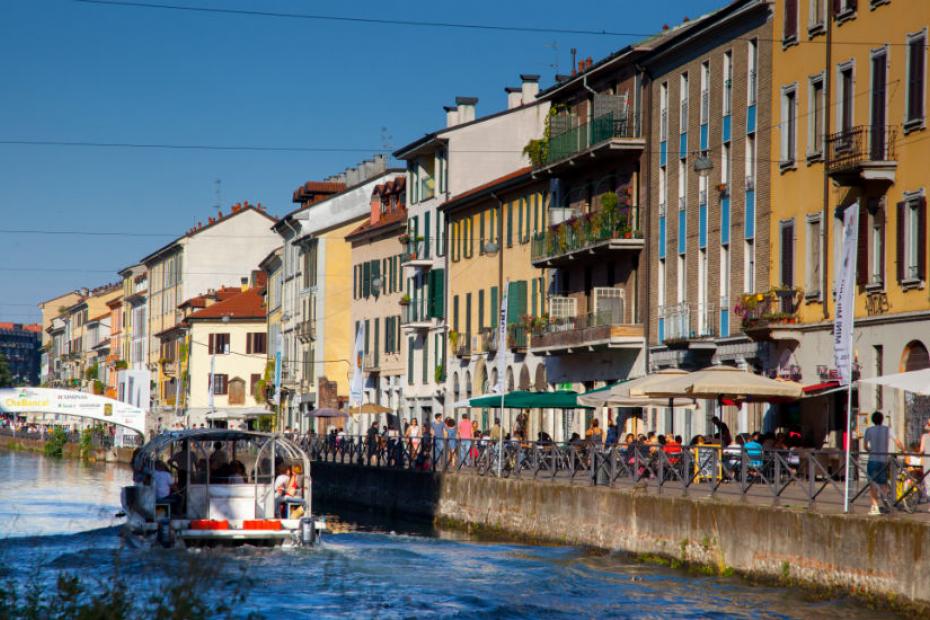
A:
<point x="646" y="124"/>
<point x="825" y="224"/>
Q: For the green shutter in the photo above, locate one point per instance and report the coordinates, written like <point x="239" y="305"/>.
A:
<point x="533" y="306"/>
<point x="468" y="315"/>
<point x="437" y="299"/>
<point x="377" y="341"/>
<point x="516" y="302"/>
<point x="480" y="309"/>
<point x="495" y="308"/>
<point x="455" y="313"/>
<point x="366" y="279"/>
<point x="520" y="218"/>
<point x="355" y="282"/>
<point x="376" y="273"/>
<point x="426" y="235"/>
<point x="482" y="239"/>
<point x="509" y="224"/>
<point x="535" y="204"/>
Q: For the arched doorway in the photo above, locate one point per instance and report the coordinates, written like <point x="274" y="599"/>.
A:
<point x="540" y="383"/>
<point x="524" y="377"/>
<point x="916" y="408"/>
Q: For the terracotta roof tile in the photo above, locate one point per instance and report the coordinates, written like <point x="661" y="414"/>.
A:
<point x="485" y="186"/>
<point x="246" y="304"/>
<point x="31" y="327"/>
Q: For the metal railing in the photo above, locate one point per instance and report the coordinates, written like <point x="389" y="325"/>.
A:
<point x="413" y="250"/>
<point x="585" y="135"/>
<point x="489" y="339"/>
<point x="584" y="231"/>
<point x="796" y="476"/>
<point x="518" y="337"/>
<point x="855" y="146"/>
<point x="772" y="307"/>
<point x="412" y="313"/>
<point x="677" y="321"/>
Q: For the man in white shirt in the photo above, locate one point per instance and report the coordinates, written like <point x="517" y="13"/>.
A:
<point x="879" y="442"/>
<point x="280" y="488"/>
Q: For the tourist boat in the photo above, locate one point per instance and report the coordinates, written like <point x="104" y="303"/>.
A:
<point x="221" y="492"/>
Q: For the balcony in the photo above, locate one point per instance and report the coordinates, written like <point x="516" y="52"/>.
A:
<point x="862" y="154"/>
<point x="427" y="188"/>
<point x="606" y="133"/>
<point x="694" y="325"/>
<point x="518" y="338"/>
<point x="461" y="345"/>
<point x="598" y="233"/>
<point x="489" y="340"/>
<point x="414" y="253"/>
<point x="371" y="363"/>
<point x="306" y="331"/>
<point x="607" y="326"/>
<point x="413" y="318"/>
<point x="771" y="316"/>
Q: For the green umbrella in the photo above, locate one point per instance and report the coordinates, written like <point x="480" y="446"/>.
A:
<point x="522" y="399"/>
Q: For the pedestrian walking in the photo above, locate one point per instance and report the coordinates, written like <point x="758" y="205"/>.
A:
<point x="880" y="441"/>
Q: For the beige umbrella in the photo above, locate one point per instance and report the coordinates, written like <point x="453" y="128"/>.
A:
<point x="630" y="393"/>
<point x="371" y="408"/>
<point x="715" y="382"/>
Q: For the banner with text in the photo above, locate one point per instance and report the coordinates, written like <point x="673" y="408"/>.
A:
<point x="845" y="299"/>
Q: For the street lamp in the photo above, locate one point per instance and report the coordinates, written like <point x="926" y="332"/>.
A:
<point x="490" y="248"/>
<point x="376" y="286"/>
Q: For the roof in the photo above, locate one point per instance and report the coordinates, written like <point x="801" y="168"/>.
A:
<point x="246" y="304"/>
<point x="317" y="190"/>
<point x="513" y="178"/>
<point x="391" y="219"/>
<point x="237" y="209"/>
<point x="200" y="301"/>
<point x="100" y="317"/>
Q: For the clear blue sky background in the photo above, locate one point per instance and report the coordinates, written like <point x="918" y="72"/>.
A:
<point x="80" y="72"/>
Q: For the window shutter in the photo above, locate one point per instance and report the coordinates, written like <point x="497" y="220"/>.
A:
<point x="851" y="5"/>
<point x="922" y="239"/>
<point x="481" y="227"/>
<point x="426" y="234"/>
<point x="376" y="273"/>
<point x="880" y="222"/>
<point x="791" y="18"/>
<point x="837" y="6"/>
<point x="495" y="308"/>
<point x="377" y="340"/>
<point x="917" y="76"/>
<point x="248" y="344"/>
<point x="862" y="249"/>
<point x="211" y="345"/>
<point x="787" y="249"/>
<point x="437" y="293"/>
<point x="509" y="224"/>
<point x="899" y="242"/>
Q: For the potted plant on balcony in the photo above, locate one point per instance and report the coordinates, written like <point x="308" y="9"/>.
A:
<point x="405" y="299"/>
<point x="453" y="339"/>
<point x="440" y="373"/>
<point x="404" y="238"/>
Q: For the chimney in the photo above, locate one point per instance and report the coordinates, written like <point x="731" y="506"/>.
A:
<point x="466" y="108"/>
<point x="243" y="284"/>
<point x="588" y="62"/>
<point x="514" y="97"/>
<point x="530" y="87"/>
<point x="452" y="115"/>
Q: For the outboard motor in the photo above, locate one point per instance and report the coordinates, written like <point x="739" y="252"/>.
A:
<point x="307" y="531"/>
<point x="164" y="534"/>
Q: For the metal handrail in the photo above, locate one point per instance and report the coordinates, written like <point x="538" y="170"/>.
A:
<point x="800" y="475"/>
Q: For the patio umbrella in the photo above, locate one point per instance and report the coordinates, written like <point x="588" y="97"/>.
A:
<point x="522" y="399"/>
<point x="715" y="382"/>
<point x="630" y="393"/>
<point x="327" y="412"/>
<point x="371" y="408"/>
<point x="916" y="381"/>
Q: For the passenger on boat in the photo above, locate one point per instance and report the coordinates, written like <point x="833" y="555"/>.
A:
<point x="218" y="457"/>
<point x="237" y="473"/>
<point x="281" y="483"/>
<point x="165" y="489"/>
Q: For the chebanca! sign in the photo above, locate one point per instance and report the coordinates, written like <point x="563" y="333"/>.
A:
<point x="72" y="403"/>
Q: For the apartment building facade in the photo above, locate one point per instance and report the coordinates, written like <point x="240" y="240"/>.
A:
<point x="378" y="301"/>
<point x="222" y="252"/>
<point x="19" y="347"/>
<point x="468" y="152"/>
<point x="849" y="81"/>
<point x="316" y="322"/>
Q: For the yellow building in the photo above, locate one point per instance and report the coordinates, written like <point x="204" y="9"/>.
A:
<point x="490" y="229"/>
<point x="849" y="86"/>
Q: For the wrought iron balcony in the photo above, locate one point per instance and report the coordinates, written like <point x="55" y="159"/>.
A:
<point x="412" y="317"/>
<point x="306" y="330"/>
<point x="603" y="230"/>
<point x="414" y="253"/>
<point x="862" y="153"/>
<point x="689" y="323"/>
<point x="608" y="325"/>
<point x="583" y="137"/>
<point x="489" y="339"/>
<point x="371" y="363"/>
<point x="518" y="337"/>
<point x="772" y="315"/>
<point x="462" y="347"/>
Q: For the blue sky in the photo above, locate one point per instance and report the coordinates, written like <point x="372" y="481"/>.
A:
<point x="83" y="72"/>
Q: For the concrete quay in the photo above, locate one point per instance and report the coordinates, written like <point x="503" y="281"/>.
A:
<point x="885" y="558"/>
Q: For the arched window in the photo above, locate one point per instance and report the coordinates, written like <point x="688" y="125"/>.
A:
<point x="915" y="357"/>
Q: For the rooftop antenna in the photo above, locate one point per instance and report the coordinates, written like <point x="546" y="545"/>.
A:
<point x="574" y="52"/>
<point x="218" y="193"/>
<point x="554" y="46"/>
<point x="387" y="141"/>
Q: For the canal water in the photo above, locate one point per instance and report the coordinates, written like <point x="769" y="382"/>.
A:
<point x="58" y="516"/>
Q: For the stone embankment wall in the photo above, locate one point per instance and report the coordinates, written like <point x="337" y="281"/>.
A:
<point x="70" y="450"/>
<point x="886" y="557"/>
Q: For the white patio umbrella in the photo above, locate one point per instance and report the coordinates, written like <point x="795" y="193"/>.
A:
<point x="916" y="381"/>
<point x="630" y="393"/>
<point x="723" y="381"/>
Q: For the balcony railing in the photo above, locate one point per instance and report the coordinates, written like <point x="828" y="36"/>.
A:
<point x="853" y="149"/>
<point x="370" y="363"/>
<point x="306" y="330"/>
<point x="677" y="319"/>
<point x="585" y="135"/>
<point x="517" y="338"/>
<point x="488" y="337"/>
<point x="687" y="321"/>
<point x="608" y="319"/>
<point x="583" y="232"/>
<point x="411" y="314"/>
<point x="765" y="310"/>
<point x="462" y="346"/>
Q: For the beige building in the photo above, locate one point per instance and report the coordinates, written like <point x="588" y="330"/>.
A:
<point x="231" y="335"/>
<point x="208" y="256"/>
<point x="377" y="293"/>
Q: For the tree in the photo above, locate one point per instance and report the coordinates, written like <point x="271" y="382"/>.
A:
<point x="6" y="377"/>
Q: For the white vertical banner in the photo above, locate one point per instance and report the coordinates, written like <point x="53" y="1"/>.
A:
<point x="212" y="381"/>
<point x="502" y="342"/>
<point x="357" y="387"/>
<point x="845" y="289"/>
<point x="278" y="362"/>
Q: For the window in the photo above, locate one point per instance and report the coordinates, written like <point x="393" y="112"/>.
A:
<point x="878" y="115"/>
<point x="814" y="250"/>
<point x="916" y="68"/>
<point x="816" y="118"/>
<point x="870" y="255"/>
<point x="790" y="34"/>
<point x="846" y="97"/>
<point x="817" y="18"/>
<point x="663" y="112"/>
<point x="218" y="344"/>
<point x="727" y="83"/>
<point x="256" y="342"/>
<point x="309" y="266"/>
<point x="705" y="93"/>
<point x="787" y="254"/>
<point x="789" y="126"/>
<point x="220" y="384"/>
<point x="683" y="120"/>
<point x="752" y="61"/>
<point x="682" y="282"/>
<point x="879" y="370"/>
<point x="912" y="239"/>
<point x="253" y="383"/>
<point x="749" y="267"/>
<point x="844" y="8"/>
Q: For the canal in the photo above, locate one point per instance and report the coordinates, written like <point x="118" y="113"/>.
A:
<point x="58" y="516"/>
